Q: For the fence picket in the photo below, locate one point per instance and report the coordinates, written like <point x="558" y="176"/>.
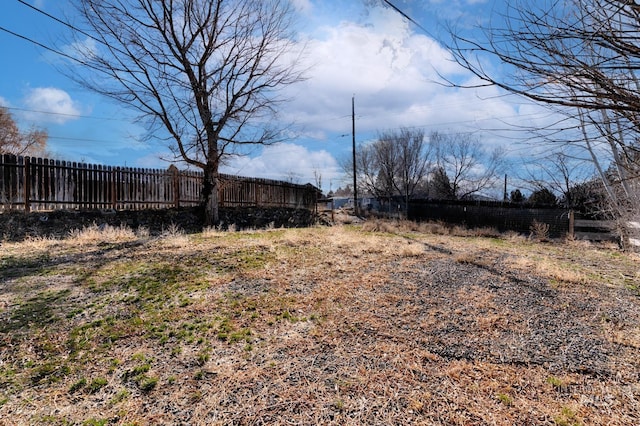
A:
<point x="46" y="184"/>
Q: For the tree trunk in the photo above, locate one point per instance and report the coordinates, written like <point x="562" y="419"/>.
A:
<point x="210" y="194"/>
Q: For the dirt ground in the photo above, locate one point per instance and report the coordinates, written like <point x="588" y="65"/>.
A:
<point x="367" y="324"/>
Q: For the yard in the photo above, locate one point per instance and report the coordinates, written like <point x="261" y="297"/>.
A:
<point x="367" y="324"/>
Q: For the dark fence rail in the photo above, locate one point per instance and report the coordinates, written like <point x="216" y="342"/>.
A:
<point x="45" y="184"/>
<point x="501" y="216"/>
<point x="520" y="218"/>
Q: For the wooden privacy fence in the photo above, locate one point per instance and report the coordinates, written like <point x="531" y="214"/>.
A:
<point x="490" y="214"/>
<point x="513" y="217"/>
<point x="45" y="184"/>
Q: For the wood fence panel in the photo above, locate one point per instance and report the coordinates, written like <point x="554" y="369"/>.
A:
<point x="46" y="184"/>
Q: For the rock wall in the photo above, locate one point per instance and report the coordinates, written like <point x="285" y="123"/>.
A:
<point x="17" y="225"/>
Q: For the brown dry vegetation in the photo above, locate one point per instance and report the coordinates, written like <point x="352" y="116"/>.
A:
<point x="350" y="325"/>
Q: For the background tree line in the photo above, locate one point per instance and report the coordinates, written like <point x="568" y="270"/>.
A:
<point x="405" y="164"/>
<point x="580" y="59"/>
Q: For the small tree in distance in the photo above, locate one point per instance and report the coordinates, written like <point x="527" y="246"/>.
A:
<point x="517" y="197"/>
<point x="469" y="167"/>
<point x="543" y="197"/>
<point x="393" y="165"/>
<point x="16" y="142"/>
<point x="440" y="186"/>
<point x="204" y="73"/>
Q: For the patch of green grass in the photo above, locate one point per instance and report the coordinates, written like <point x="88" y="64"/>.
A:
<point x="97" y="384"/>
<point x="146" y="383"/>
<point x="74" y="312"/>
<point x="556" y="382"/>
<point x="505" y="399"/>
<point x="240" y="335"/>
<point x="81" y="383"/>
<point x="113" y="364"/>
<point x="152" y="285"/>
<point x="20" y="266"/>
<point x="120" y="396"/>
<point x="100" y="332"/>
<point x="287" y="315"/>
<point x="95" y="422"/>
<point x="138" y="374"/>
<point x="49" y="372"/>
<point x="242" y="259"/>
<point x="196" y="396"/>
<point x="140" y="369"/>
<point x="224" y="328"/>
<point x="37" y="311"/>
<point x="203" y="357"/>
<point x="567" y="417"/>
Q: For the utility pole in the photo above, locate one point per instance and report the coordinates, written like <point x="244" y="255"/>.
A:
<point x="353" y="133"/>
<point x="506" y="196"/>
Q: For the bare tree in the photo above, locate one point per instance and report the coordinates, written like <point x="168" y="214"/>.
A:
<point x="413" y="160"/>
<point x="13" y="141"/>
<point x="575" y="53"/>
<point x="469" y="167"/>
<point x="204" y="73"/>
<point x="394" y="165"/>
<point x="369" y="176"/>
<point x="558" y="171"/>
<point x="579" y="57"/>
<point x="317" y="177"/>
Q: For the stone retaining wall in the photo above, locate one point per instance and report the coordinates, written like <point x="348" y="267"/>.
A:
<point x="17" y="225"/>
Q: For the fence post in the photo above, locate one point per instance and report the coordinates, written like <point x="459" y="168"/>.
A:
<point x="27" y="184"/>
<point x="175" y="178"/>
<point x="114" y="195"/>
<point x="572" y="222"/>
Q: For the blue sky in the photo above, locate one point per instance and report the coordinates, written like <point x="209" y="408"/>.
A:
<point x="354" y="48"/>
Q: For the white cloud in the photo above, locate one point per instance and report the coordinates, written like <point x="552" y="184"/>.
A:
<point x="303" y="6"/>
<point x="79" y="49"/>
<point x="49" y="104"/>
<point x="286" y="161"/>
<point x="82" y="48"/>
<point x="155" y="160"/>
<point x="394" y="74"/>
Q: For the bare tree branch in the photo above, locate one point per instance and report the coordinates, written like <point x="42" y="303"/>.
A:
<point x="204" y="72"/>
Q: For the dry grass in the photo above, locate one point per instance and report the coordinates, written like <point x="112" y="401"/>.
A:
<point x="384" y="323"/>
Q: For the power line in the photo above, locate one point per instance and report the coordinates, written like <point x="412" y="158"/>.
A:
<point x="72" y="27"/>
<point x="51" y="49"/>
<point x="409" y="18"/>
<point x="64" y="138"/>
<point x="61" y="21"/>
<point x="37" y="43"/>
<point x="64" y="114"/>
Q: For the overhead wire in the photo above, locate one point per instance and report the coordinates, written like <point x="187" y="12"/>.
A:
<point x="76" y="29"/>
<point x="44" y="46"/>
<point x="62" y="114"/>
<point x="406" y="16"/>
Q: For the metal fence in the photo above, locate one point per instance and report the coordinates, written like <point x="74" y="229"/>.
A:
<point x="46" y="184"/>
